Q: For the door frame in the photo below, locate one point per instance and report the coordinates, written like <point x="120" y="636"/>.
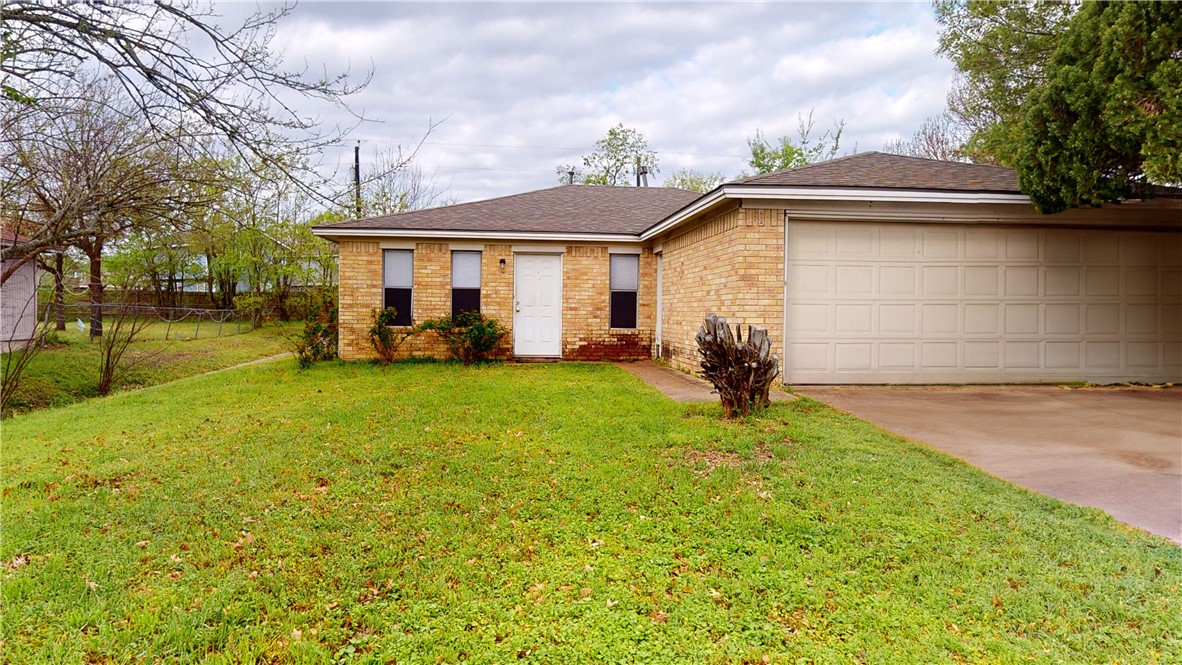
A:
<point x="516" y="299"/>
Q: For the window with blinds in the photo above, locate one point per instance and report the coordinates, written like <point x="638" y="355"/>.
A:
<point x="398" y="284"/>
<point x="465" y="282"/>
<point x="624" y="282"/>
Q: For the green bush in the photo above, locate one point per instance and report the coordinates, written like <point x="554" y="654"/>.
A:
<point x="318" y="341"/>
<point x="385" y="338"/>
<point x="470" y="337"/>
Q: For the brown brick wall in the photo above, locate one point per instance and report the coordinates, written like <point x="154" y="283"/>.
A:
<point x="360" y="269"/>
<point x="586" y="307"/>
<point x="731" y="265"/>
<point x="586" y="335"/>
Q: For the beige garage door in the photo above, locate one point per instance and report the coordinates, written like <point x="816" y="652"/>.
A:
<point x="921" y="303"/>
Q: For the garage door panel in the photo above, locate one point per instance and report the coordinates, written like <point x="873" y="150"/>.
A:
<point x="982" y="280"/>
<point x="941" y="244"/>
<point x="1100" y="248"/>
<point x="910" y="303"/>
<point x="982" y="245"/>
<point x="1062" y="246"/>
<point x="1100" y="282"/>
<point x="896" y="280"/>
<point x="854" y="319"/>
<point x="1062" y="281"/>
<point x="1172" y="283"/>
<point x="898" y="243"/>
<point x="941" y="280"/>
<point x="854" y="281"/>
<point x="1102" y="355"/>
<point x="1021" y="281"/>
<point x="1021" y="318"/>
<point x="982" y="355"/>
<point x="982" y="319"/>
<point x="1061" y="319"/>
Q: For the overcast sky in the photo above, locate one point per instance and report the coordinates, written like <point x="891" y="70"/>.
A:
<point x="522" y="88"/>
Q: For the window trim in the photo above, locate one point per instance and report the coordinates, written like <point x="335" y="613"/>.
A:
<point x="467" y="289"/>
<point x="406" y="317"/>
<point x="611" y="293"/>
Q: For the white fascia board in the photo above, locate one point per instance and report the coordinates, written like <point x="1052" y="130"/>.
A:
<point x="828" y="194"/>
<point x="878" y="195"/>
<point x="474" y="235"/>
<point x="685" y="213"/>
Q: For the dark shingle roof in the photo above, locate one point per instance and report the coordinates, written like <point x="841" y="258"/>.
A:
<point x="876" y="170"/>
<point x="562" y="209"/>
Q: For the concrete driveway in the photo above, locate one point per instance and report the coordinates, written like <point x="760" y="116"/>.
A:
<point x="1119" y="450"/>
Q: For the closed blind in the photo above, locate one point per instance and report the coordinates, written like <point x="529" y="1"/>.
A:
<point x="465" y="270"/>
<point x="399" y="270"/>
<point x="625" y="272"/>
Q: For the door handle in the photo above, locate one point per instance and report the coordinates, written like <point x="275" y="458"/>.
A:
<point x="517" y="307"/>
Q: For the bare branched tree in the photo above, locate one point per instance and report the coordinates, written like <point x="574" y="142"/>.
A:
<point x="183" y="72"/>
<point x="87" y="169"/>
<point x="940" y="136"/>
<point x="394" y="183"/>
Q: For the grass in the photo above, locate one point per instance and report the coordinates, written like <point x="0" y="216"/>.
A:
<point x="548" y="513"/>
<point x="67" y="370"/>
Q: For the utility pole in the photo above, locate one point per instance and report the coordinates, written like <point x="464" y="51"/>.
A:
<point x="357" y="178"/>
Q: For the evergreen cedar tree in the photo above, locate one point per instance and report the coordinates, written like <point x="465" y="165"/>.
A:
<point x="1108" y="121"/>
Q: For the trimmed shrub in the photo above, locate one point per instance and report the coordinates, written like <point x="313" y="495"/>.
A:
<point x="470" y="337"/>
<point x="741" y="372"/>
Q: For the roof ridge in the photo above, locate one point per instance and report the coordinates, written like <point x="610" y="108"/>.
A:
<point x="803" y="167"/>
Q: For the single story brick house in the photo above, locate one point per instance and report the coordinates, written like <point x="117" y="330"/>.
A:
<point x="871" y="268"/>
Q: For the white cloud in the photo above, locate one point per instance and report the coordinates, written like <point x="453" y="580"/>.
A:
<point x="697" y="79"/>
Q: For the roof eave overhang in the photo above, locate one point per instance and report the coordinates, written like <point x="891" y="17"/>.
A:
<point x="444" y="234"/>
<point x="828" y="194"/>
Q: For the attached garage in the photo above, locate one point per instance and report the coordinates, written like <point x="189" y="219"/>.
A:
<point x="882" y="269"/>
<point x="890" y="302"/>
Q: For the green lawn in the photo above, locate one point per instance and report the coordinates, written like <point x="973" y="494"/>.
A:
<point x="67" y="370"/>
<point x="548" y="513"/>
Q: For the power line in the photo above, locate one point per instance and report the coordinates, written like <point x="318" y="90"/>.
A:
<point x="555" y="148"/>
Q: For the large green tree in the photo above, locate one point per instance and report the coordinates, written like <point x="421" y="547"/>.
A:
<point x="1000" y="50"/>
<point x="614" y="160"/>
<point x="1107" y="122"/>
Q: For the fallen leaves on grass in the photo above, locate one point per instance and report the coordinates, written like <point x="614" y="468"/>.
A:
<point x="16" y="562"/>
<point x="712" y="459"/>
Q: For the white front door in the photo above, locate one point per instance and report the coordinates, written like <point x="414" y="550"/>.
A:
<point x="537" y="318"/>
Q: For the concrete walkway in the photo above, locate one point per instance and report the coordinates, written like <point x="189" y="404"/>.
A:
<point x="1117" y="449"/>
<point x="682" y="387"/>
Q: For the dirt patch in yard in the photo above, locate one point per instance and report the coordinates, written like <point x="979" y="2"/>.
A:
<point x="712" y="459"/>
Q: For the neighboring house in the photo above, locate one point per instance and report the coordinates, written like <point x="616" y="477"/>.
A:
<point x="897" y="270"/>
<point x="18" y="301"/>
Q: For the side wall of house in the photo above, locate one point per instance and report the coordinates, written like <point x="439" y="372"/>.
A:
<point x="360" y="292"/>
<point x="586" y="331"/>
<point x="18" y="307"/>
<point x="731" y="265"/>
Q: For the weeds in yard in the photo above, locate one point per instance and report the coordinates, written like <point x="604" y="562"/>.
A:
<point x="553" y="513"/>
